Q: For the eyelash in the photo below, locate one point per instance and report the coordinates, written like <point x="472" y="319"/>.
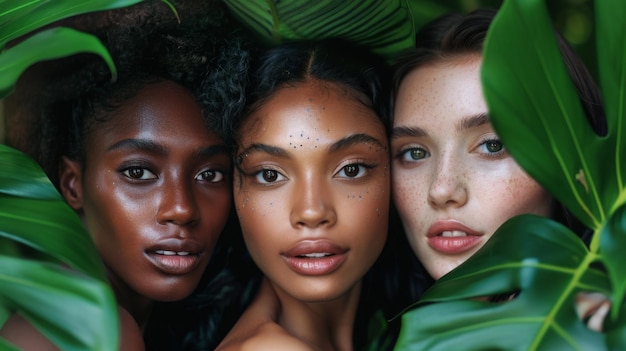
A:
<point x="363" y="169"/>
<point x="404" y="156"/>
<point x="220" y="175"/>
<point x="484" y="144"/>
<point x="259" y="175"/>
<point x="126" y="173"/>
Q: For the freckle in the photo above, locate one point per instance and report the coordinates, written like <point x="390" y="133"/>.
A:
<point x="300" y="145"/>
<point x="360" y="197"/>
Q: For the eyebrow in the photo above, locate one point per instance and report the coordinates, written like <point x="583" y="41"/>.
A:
<point x="336" y="146"/>
<point x="399" y="132"/>
<point x="157" y="149"/>
<point x="473" y="121"/>
<point x="465" y="124"/>
<point x="353" y="140"/>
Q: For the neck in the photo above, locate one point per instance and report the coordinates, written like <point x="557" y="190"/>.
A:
<point x="138" y="306"/>
<point x="325" y="325"/>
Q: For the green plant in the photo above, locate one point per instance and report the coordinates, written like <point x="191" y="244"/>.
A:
<point x="50" y="271"/>
<point x="386" y="27"/>
<point x="535" y="110"/>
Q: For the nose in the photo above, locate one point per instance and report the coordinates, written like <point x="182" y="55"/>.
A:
<point x="448" y="184"/>
<point x="312" y="204"/>
<point x="178" y="203"/>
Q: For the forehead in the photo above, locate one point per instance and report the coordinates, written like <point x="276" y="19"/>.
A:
<point x="163" y="112"/>
<point x="312" y="112"/>
<point x="449" y="87"/>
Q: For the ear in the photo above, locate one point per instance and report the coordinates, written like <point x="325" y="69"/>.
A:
<point x="70" y="182"/>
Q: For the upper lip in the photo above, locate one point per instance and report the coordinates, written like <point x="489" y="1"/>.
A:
<point x="305" y="247"/>
<point x="177" y="245"/>
<point x="449" y="225"/>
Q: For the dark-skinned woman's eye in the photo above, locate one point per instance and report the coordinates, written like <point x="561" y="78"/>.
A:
<point x="138" y="173"/>
<point x="211" y="176"/>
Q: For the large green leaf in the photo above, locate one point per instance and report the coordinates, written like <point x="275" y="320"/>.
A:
<point x="385" y="26"/>
<point x="66" y="294"/>
<point x="535" y="111"/>
<point x="33" y="213"/>
<point x="74" y="311"/>
<point x="46" y="45"/>
<point x="540" y="258"/>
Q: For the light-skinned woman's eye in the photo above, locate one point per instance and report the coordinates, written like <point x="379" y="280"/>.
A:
<point x="414" y="154"/>
<point x="211" y="176"/>
<point x="138" y="173"/>
<point x="492" y="146"/>
<point x="268" y="176"/>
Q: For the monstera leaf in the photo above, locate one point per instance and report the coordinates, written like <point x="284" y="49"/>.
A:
<point x="536" y="112"/>
<point x="387" y="26"/>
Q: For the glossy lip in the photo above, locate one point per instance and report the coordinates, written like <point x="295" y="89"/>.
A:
<point x="452" y="245"/>
<point x="334" y="257"/>
<point x="175" y="256"/>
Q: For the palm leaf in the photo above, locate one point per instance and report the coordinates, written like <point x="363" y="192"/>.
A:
<point x="536" y="112"/>
<point x="385" y="26"/>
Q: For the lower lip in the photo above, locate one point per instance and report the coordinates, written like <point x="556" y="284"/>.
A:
<point x="454" y="245"/>
<point x="315" y="266"/>
<point x="175" y="264"/>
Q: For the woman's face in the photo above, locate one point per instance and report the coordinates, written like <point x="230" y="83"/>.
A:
<point x="453" y="182"/>
<point x="154" y="192"/>
<point x="312" y="190"/>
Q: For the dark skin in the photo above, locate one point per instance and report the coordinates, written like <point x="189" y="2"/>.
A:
<point x="154" y="194"/>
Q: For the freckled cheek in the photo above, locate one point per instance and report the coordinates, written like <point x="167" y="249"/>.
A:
<point x="524" y="195"/>
<point x="409" y="196"/>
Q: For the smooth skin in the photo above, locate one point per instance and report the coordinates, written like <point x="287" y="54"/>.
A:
<point x="154" y="194"/>
<point x="312" y="194"/>
<point x="454" y="183"/>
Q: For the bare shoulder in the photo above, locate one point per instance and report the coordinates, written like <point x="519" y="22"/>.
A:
<point x="131" y="338"/>
<point x="24" y="335"/>
<point x="266" y="337"/>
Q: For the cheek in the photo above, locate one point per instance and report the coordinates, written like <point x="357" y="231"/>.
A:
<point x="409" y="194"/>
<point x="521" y="194"/>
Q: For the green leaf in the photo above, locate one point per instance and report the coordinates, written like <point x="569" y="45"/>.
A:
<point x="46" y="45"/>
<point x="74" y="311"/>
<point x="540" y="120"/>
<point x="536" y="256"/>
<point x="34" y="214"/>
<point x="385" y="26"/>
<point x="19" y="17"/>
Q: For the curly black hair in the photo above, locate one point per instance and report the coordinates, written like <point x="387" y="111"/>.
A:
<point x="58" y="103"/>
